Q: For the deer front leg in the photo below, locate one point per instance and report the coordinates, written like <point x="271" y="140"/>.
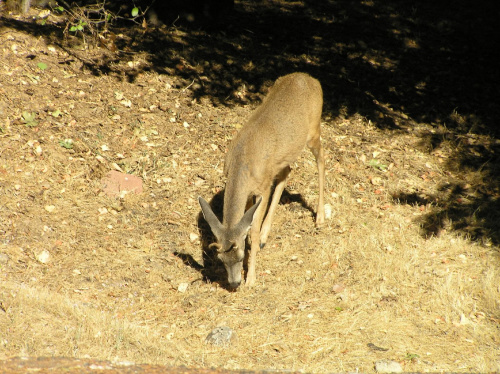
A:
<point x="250" y="281"/>
<point x="255" y="239"/>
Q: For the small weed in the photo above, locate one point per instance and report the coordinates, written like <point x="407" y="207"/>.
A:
<point x="78" y="27"/>
<point x="377" y="164"/>
<point x="56" y="113"/>
<point x="112" y="110"/>
<point x="411" y="357"/>
<point x="29" y="119"/>
<point x="66" y="143"/>
<point x="42" y="65"/>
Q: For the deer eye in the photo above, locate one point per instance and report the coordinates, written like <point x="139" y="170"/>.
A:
<point x="232" y="247"/>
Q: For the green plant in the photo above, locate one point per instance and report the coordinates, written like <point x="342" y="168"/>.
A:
<point x="411" y="356"/>
<point x="42" y="65"/>
<point x="56" y="113"/>
<point x="29" y="119"/>
<point x="79" y="26"/>
<point x="377" y="164"/>
<point x="66" y="143"/>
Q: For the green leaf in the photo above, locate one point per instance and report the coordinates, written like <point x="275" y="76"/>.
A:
<point x="66" y="143"/>
<point x="377" y="164"/>
<point x="135" y="12"/>
<point x="29" y="119"/>
<point x="42" y="65"/>
<point x="59" y="9"/>
<point x="411" y="356"/>
<point x="27" y="116"/>
<point x="73" y="29"/>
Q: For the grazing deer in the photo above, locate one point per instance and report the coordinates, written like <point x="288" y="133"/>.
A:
<point x="260" y="155"/>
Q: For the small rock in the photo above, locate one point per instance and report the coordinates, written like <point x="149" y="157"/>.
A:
<point x="43" y="256"/>
<point x="4" y="258"/>
<point x="183" y="287"/>
<point x="193" y="237"/>
<point x="338" y="288"/>
<point x="464" y="320"/>
<point x="103" y="210"/>
<point x="116" y="183"/>
<point x="222" y="336"/>
<point x="199" y="182"/>
<point x="126" y="103"/>
<point x="387" y="366"/>
<point x="328" y="211"/>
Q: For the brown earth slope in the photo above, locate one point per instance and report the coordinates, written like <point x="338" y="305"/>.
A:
<point x="406" y="268"/>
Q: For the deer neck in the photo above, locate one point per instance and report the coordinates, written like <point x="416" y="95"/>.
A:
<point x="235" y="199"/>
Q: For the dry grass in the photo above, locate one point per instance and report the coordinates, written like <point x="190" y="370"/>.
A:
<point x="110" y="287"/>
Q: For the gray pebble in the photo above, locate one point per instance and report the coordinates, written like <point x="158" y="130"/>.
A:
<point x="387" y="366"/>
<point x="222" y="336"/>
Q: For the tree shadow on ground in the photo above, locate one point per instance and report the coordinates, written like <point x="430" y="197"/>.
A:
<point x="471" y="209"/>
<point x="402" y="65"/>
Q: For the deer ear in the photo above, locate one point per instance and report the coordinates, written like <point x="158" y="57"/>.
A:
<point x="215" y="246"/>
<point x="210" y="217"/>
<point x="246" y="222"/>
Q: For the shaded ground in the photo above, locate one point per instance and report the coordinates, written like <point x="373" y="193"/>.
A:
<point x="397" y="65"/>
<point x="409" y="260"/>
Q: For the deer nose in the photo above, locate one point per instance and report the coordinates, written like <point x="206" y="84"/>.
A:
<point x="234" y="285"/>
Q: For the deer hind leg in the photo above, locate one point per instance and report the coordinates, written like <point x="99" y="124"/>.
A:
<point x="254" y="238"/>
<point x="318" y="152"/>
<point x="278" y="190"/>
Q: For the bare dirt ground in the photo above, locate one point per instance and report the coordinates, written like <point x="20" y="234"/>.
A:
<point x="407" y="267"/>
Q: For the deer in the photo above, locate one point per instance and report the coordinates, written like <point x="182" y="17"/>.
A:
<point x="258" y="158"/>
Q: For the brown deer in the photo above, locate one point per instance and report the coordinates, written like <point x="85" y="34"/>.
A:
<point x="260" y="155"/>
